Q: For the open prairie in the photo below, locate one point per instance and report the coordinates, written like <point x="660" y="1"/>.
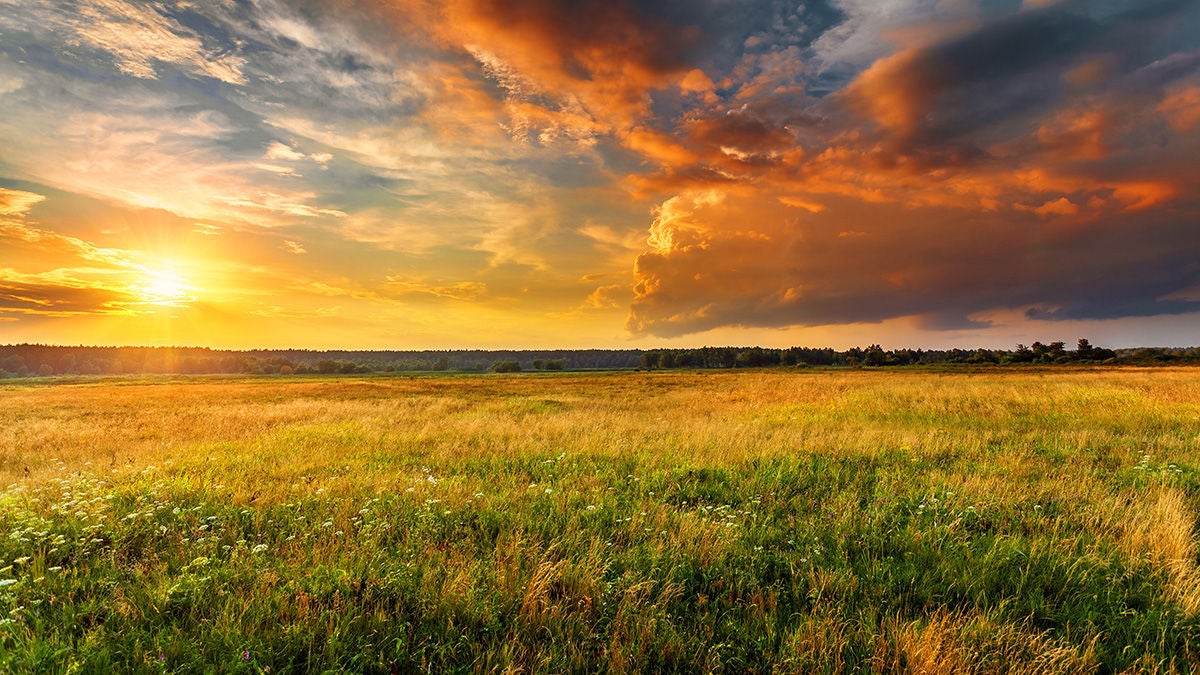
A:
<point x="743" y="521"/>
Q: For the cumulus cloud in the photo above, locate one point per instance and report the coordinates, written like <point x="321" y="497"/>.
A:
<point x="708" y="269"/>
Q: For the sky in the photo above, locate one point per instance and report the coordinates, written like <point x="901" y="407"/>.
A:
<point x="408" y="174"/>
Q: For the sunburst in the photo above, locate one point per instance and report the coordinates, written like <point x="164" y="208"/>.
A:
<point x="165" y="287"/>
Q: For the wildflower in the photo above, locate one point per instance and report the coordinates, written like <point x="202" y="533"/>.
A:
<point x="246" y="655"/>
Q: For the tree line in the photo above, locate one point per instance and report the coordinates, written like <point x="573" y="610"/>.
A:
<point x="28" y="360"/>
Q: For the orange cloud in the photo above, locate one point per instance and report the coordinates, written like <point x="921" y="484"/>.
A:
<point x="1077" y="134"/>
<point x="16" y="203"/>
<point x="1059" y="207"/>
<point x="602" y="54"/>
<point x="870" y="263"/>
<point x="1181" y="108"/>
<point x="661" y="147"/>
<point x="894" y="91"/>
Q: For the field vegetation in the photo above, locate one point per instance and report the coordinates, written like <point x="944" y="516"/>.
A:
<point x="1005" y="520"/>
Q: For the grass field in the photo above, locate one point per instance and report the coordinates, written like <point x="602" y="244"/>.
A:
<point x="753" y="521"/>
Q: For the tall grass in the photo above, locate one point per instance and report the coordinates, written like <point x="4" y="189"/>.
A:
<point x="806" y="521"/>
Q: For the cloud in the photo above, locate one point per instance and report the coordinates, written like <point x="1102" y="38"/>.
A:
<point x="1059" y="207"/>
<point x="135" y="35"/>
<point x="707" y="269"/>
<point x="9" y="83"/>
<point x="19" y="296"/>
<point x="937" y="163"/>
<point x="25" y="239"/>
<point x="280" y="151"/>
<point x="17" y="203"/>
<point x="1015" y="66"/>
<point x="1181" y="108"/>
<point x="402" y="286"/>
<point x="862" y="37"/>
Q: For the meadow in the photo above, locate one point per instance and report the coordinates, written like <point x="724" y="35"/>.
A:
<point x="998" y="520"/>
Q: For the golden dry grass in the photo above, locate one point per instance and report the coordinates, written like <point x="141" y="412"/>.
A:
<point x="1161" y="529"/>
<point x="1004" y="520"/>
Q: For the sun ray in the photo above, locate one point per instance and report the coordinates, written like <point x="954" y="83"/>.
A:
<point x="164" y="286"/>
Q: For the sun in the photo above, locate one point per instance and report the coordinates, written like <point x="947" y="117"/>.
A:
<point x="164" y="286"/>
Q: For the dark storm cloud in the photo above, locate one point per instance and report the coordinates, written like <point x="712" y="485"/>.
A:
<point x="1019" y="65"/>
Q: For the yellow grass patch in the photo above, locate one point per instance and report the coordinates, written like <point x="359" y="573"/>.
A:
<point x="1161" y="530"/>
<point x="950" y="643"/>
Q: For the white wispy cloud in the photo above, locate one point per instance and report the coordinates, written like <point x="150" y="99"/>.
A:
<point x="136" y="35"/>
<point x="871" y="29"/>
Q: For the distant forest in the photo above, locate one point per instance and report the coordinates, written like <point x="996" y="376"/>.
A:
<point x="31" y="360"/>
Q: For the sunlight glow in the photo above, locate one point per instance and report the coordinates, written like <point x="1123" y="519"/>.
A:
<point x="164" y="287"/>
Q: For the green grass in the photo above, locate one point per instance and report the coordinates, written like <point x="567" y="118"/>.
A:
<point x="811" y="521"/>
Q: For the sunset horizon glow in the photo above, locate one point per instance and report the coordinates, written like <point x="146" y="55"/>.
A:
<point x="493" y="174"/>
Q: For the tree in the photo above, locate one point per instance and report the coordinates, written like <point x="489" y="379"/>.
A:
<point x="1083" y="348"/>
<point x="1023" y="354"/>
<point x="875" y="356"/>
